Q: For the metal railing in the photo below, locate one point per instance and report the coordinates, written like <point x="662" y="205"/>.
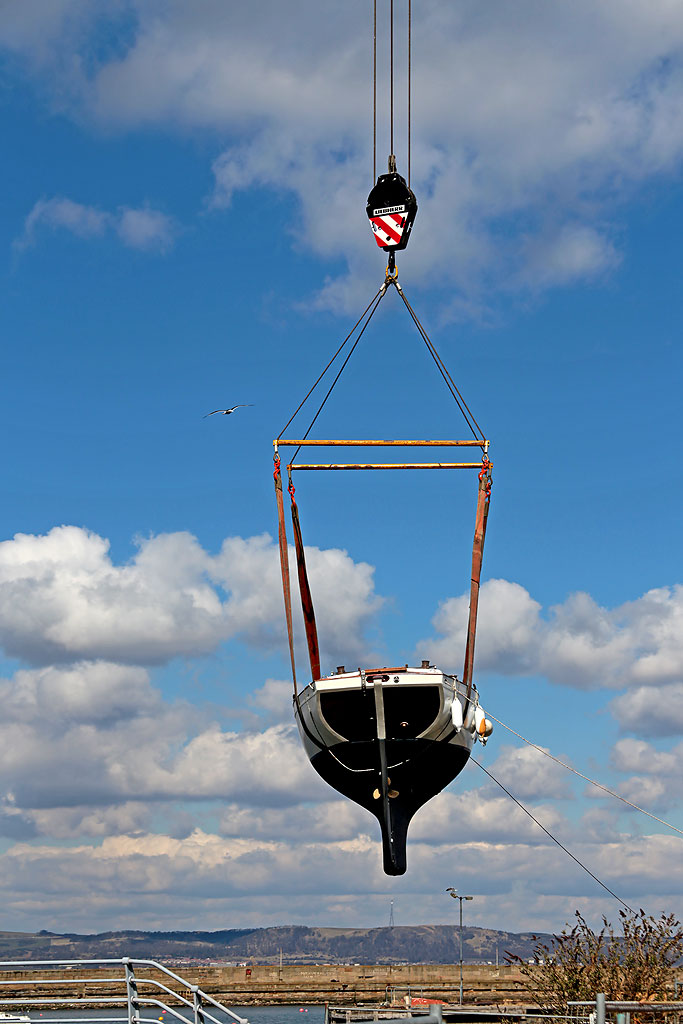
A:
<point x="600" y="1010"/>
<point x="140" y="990"/>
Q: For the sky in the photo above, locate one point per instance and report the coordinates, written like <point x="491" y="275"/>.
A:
<point x="183" y="229"/>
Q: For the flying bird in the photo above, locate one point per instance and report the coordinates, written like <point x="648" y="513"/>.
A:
<point x="226" y="412"/>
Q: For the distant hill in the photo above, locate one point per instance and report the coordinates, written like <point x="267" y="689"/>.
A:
<point x="296" y="943"/>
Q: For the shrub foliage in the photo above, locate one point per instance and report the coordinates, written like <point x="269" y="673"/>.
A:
<point x="579" y="962"/>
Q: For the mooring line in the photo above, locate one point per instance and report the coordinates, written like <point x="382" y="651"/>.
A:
<point x="551" y="836"/>
<point x="598" y="785"/>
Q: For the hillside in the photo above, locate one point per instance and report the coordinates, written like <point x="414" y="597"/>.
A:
<point x="295" y="943"/>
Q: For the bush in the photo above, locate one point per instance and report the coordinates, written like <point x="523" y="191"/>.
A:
<point x="579" y="962"/>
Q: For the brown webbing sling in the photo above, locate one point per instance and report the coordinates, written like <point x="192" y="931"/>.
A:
<point x="483" y="501"/>
<point x="305" y="591"/>
<point x="284" y="566"/>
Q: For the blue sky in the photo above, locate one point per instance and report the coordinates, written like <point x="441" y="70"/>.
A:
<point x="183" y="228"/>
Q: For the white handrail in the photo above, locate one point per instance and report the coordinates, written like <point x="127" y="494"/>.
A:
<point x="131" y="997"/>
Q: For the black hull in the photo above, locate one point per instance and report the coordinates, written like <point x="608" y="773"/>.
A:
<point x="417" y="770"/>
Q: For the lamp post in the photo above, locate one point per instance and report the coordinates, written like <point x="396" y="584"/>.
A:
<point x="454" y="894"/>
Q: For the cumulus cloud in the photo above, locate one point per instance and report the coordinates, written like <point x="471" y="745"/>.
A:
<point x="579" y="643"/>
<point x="98" y="738"/>
<point x="653" y="774"/>
<point x="260" y="880"/>
<point x="566" y="255"/>
<point x="142" y="228"/>
<point x="62" y="599"/>
<point x="527" y="131"/>
<point x="637" y="755"/>
<point x="651" y="710"/>
<point x="274" y="698"/>
<point x="531" y="775"/>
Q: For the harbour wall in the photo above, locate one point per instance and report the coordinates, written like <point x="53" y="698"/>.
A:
<point x="262" y="984"/>
<point x="482" y="985"/>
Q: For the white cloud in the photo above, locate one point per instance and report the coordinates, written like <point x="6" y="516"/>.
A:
<point x="651" y="710"/>
<point x="145" y="228"/>
<point x="531" y="775"/>
<point x="566" y="255"/>
<point x="142" y="228"/>
<point x="98" y="692"/>
<point x="261" y="880"/>
<point x="274" y="698"/>
<point x="96" y="738"/>
<point x="62" y="599"/>
<point x="527" y="131"/>
<point x="653" y="775"/>
<point x="579" y="644"/>
<point x="80" y="220"/>
<point x="639" y="756"/>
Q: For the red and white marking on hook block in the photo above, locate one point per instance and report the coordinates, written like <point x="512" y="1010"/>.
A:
<point x="388" y="225"/>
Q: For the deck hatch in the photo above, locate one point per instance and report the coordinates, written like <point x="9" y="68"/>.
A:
<point x="408" y="710"/>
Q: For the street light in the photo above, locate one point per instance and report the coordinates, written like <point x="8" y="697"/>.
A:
<point x="454" y="894"/>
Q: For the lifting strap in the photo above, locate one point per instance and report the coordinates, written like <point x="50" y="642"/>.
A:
<point x="483" y="501"/>
<point x="284" y="566"/>
<point x="287" y="594"/>
<point x="305" y="590"/>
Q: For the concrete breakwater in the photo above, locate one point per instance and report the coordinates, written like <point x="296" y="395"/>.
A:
<point x="360" y="983"/>
<point x="263" y="984"/>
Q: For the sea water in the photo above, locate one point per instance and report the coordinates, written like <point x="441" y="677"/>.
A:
<point x="300" y="1013"/>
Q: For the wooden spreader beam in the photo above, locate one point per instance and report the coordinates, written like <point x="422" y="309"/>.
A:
<point x="380" y="443"/>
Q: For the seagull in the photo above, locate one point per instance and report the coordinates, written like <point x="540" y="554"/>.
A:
<point x="226" y="412"/>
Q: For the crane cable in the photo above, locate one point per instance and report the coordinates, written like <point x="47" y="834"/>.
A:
<point x="391" y="82"/>
<point x="374" y="304"/>
<point x="374" y="90"/>
<point x="391" y="76"/>
<point x="598" y="785"/>
<point x="349" y="335"/>
<point x="410" y="30"/>
<point x="450" y="383"/>
<point x="551" y="836"/>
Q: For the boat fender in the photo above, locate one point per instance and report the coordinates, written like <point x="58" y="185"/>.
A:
<point x="483" y="725"/>
<point x="456" y="714"/>
<point x="469" y="717"/>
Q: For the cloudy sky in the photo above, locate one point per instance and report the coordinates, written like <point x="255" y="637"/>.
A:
<point x="183" y="228"/>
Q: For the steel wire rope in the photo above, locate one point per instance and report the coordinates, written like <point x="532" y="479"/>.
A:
<point x="450" y="383"/>
<point x="593" y="782"/>
<point x="551" y="836"/>
<point x="410" y="21"/>
<point x="443" y="369"/>
<point x="378" y="298"/>
<point x="349" y="335"/>
<point x="374" y="91"/>
<point x="391" y="74"/>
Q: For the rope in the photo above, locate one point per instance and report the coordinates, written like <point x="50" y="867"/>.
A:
<point x="551" y="836"/>
<point x="301" y="404"/>
<point x="598" y="785"/>
<point x="450" y="383"/>
<point x="376" y="300"/>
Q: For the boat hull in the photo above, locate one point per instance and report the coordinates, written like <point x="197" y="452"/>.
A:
<point x="388" y="739"/>
<point x="421" y="769"/>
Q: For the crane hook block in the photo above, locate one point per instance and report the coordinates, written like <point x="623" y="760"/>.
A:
<point x="391" y="211"/>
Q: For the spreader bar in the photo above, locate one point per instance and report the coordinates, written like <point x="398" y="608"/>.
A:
<point x="283" y="443"/>
<point x="386" y="465"/>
